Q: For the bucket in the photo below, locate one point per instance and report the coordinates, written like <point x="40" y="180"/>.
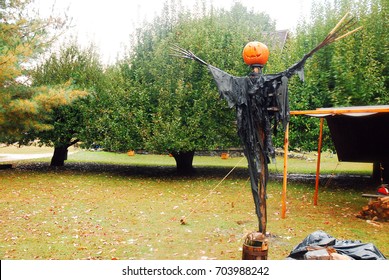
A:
<point x="253" y="253"/>
<point x="255" y="247"/>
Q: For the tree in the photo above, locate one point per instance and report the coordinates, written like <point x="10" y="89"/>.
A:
<point x="22" y="37"/>
<point x="116" y="112"/>
<point x="80" y="71"/>
<point x="350" y="72"/>
<point x="183" y="110"/>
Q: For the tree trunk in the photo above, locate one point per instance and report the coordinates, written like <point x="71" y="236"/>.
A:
<point x="381" y="172"/>
<point x="59" y="156"/>
<point x="184" y="162"/>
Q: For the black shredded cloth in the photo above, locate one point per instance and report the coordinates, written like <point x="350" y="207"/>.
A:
<point x="354" y="249"/>
<point x="261" y="103"/>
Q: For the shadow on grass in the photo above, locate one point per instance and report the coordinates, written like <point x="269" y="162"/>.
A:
<point x="211" y="172"/>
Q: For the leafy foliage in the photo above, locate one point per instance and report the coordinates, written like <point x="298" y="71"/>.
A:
<point x="22" y="37"/>
<point x="185" y="113"/>
<point x="350" y="72"/>
<point x="80" y="71"/>
<point x="153" y="101"/>
<point x="116" y="113"/>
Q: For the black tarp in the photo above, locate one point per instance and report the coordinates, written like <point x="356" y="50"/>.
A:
<point x="360" y="138"/>
<point x="354" y="249"/>
<point x="359" y="134"/>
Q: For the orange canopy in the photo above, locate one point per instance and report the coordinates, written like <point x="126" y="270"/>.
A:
<point x="361" y="139"/>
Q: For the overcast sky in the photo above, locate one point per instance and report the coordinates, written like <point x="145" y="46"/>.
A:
<point x="108" y="23"/>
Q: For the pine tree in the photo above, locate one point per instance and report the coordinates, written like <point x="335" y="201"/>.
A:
<point x="23" y="36"/>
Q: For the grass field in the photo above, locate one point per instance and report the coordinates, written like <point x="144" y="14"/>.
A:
<point x="112" y="206"/>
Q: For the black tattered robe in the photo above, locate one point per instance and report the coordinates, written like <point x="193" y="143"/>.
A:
<point x="260" y="100"/>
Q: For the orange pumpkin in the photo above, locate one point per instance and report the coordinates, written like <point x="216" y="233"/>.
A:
<point x="255" y="53"/>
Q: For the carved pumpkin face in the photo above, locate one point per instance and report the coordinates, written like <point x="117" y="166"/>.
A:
<point x="255" y="53"/>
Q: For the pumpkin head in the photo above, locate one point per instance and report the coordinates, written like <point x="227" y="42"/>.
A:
<point x="255" y="53"/>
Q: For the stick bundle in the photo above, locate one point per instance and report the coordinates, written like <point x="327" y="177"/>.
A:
<point x="340" y="31"/>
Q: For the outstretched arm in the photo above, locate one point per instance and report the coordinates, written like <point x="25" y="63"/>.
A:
<point x="340" y="31"/>
<point x="227" y="84"/>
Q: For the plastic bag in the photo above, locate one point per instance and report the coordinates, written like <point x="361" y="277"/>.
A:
<point x="355" y="250"/>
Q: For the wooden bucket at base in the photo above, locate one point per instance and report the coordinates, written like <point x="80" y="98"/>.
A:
<point x="255" y="247"/>
<point x="253" y="253"/>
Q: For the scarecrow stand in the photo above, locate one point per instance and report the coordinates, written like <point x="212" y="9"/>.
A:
<point x="260" y="101"/>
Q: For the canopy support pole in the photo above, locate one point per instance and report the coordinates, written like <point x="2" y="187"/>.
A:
<point x="318" y="162"/>
<point x="285" y="178"/>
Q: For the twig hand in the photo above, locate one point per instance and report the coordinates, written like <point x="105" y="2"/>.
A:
<point x="183" y="53"/>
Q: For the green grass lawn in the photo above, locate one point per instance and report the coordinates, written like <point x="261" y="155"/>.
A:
<point x="112" y="206"/>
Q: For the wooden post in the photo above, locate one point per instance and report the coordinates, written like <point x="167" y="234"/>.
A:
<point x="255" y="246"/>
<point x="262" y="186"/>
<point x="285" y="178"/>
<point x="318" y="162"/>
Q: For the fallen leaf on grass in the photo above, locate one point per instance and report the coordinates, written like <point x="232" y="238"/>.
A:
<point x="243" y="222"/>
<point x="207" y="258"/>
<point x="374" y="223"/>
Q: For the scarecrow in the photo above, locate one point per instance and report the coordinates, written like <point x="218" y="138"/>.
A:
<point x="261" y="102"/>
